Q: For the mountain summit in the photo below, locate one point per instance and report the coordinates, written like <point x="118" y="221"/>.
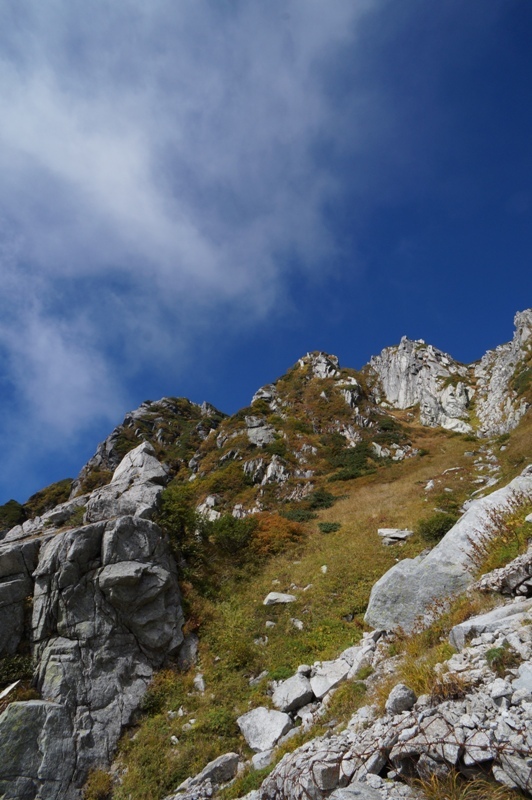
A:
<point x="184" y="582"/>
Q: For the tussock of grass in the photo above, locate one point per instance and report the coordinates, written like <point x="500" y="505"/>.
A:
<point x="99" y="786"/>
<point x="456" y="787"/>
<point x="422" y="651"/>
<point x="506" y="535"/>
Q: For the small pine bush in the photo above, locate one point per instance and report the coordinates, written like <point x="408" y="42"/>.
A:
<point x="329" y="527"/>
<point x="321" y="498"/>
<point x="434" y="528"/>
<point x="299" y="515"/>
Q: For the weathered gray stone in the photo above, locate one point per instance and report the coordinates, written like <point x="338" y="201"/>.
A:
<point x="524" y="678"/>
<point x="400" y="699"/>
<point x="220" y="770"/>
<point x="322" y="365"/>
<point x="518" y="770"/>
<point x="262" y="760"/>
<point x="508" y="579"/>
<point x="415" y="373"/>
<point x="259" y="432"/>
<point x="394" y="535"/>
<point x="134" y="490"/>
<point x="498" y="407"/>
<point x="262" y="728"/>
<point x="293" y="693"/>
<point x="403" y="597"/>
<point x="188" y="652"/>
<point x="328" y="675"/>
<point x="356" y="791"/>
<point x="106" y="612"/>
<point x="37" y="751"/>
<point x="274" y="598"/>
<point x="17" y="562"/>
<point x="502" y="618"/>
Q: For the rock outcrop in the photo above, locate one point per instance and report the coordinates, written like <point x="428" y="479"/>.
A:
<point x="498" y="406"/>
<point x="407" y="595"/>
<point x="414" y="373"/>
<point x="163" y="421"/>
<point x="106" y="613"/>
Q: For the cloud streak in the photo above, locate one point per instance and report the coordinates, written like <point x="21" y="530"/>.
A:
<point x="165" y="164"/>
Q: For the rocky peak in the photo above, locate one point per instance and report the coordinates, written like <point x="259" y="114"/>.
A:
<point x="414" y="373"/>
<point x="523" y="326"/>
<point x="322" y="365"/>
<point x="500" y="405"/>
<point x="163" y="423"/>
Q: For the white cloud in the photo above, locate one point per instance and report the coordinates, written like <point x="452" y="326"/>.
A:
<point x="161" y="163"/>
<point x="156" y="159"/>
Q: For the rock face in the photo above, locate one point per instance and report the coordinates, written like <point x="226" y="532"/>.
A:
<point x="498" y="406"/>
<point x="106" y="613"/>
<point x="37" y="751"/>
<point x="403" y="597"/>
<point x="415" y="373"/>
<point x="17" y="562"/>
<point x="134" y="489"/>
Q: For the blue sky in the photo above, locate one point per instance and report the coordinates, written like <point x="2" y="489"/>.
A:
<point x="194" y="194"/>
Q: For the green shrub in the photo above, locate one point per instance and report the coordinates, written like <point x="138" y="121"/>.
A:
<point x="229" y="534"/>
<point x="353" y="462"/>
<point x="47" y="498"/>
<point x="280" y="673"/>
<point x="501" y="659"/>
<point x="94" y="479"/>
<point x="434" y="528"/>
<point x="178" y="518"/>
<point x="446" y="501"/>
<point x="299" y="515"/>
<point x="321" y="498"/>
<point x="14" y="668"/>
<point x="220" y="722"/>
<point x="522" y="381"/>
<point x="277" y="448"/>
<point x="329" y="527"/>
<point x="99" y="786"/>
<point x="11" y="514"/>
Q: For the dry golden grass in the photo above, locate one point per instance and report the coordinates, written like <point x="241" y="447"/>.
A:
<point x="518" y="453"/>
<point x="232" y="624"/>
<point x="455" y="787"/>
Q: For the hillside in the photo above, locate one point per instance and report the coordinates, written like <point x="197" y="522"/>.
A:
<point x="133" y="598"/>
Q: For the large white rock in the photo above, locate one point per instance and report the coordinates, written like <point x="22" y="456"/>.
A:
<point x="274" y="598"/>
<point x="415" y="373"/>
<point x="134" y="489"/>
<point x="403" y="597"/>
<point x="504" y="618"/>
<point x="394" y="535"/>
<point x="262" y="728"/>
<point x="140" y="466"/>
<point x="293" y="693"/>
<point x="328" y="675"/>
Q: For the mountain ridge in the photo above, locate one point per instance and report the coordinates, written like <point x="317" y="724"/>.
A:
<point x="184" y="511"/>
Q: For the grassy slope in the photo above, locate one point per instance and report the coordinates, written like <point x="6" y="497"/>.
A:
<point x="231" y="622"/>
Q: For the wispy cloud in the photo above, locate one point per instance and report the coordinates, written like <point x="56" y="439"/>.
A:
<point x="163" y="161"/>
<point x="155" y="158"/>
